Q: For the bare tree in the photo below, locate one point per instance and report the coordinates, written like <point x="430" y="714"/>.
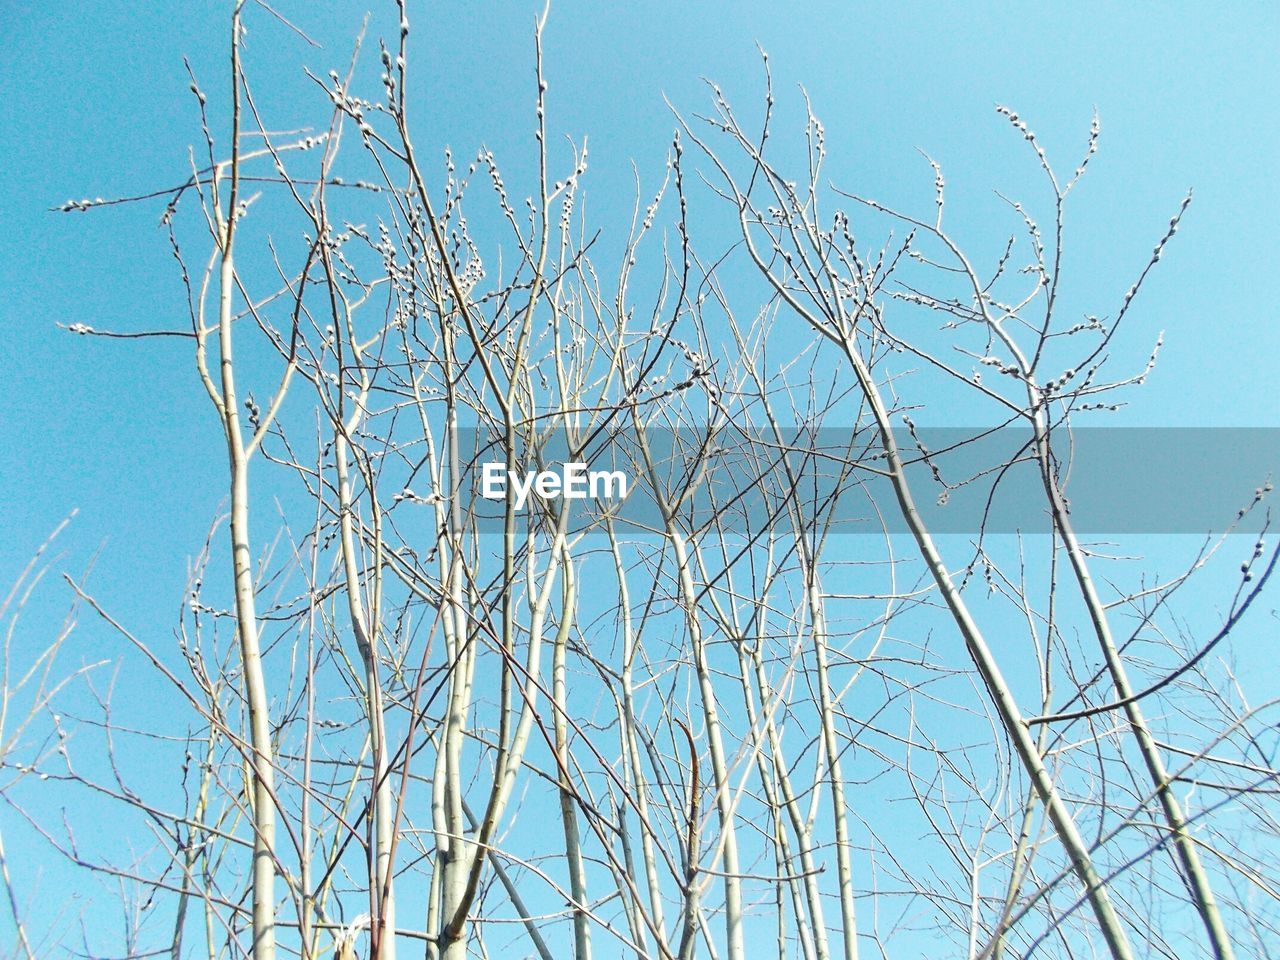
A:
<point x="701" y="719"/>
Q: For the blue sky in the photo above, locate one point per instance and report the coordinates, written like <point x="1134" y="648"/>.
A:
<point x="95" y="103"/>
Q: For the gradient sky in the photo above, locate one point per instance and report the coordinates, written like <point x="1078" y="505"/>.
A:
<point x="94" y="101"/>
<point x="96" y="104"/>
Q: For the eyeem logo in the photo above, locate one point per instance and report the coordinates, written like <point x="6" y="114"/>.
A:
<point x="573" y="482"/>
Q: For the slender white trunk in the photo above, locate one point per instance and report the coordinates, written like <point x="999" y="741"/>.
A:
<point x="382" y="895"/>
<point x="633" y="769"/>
<point x="844" y="861"/>
<point x="734" y="942"/>
<point x="1001" y="696"/>
<point x="1193" y="872"/>
<point x="263" y="761"/>
<point x="568" y="805"/>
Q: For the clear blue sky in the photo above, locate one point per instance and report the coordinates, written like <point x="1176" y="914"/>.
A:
<point x="95" y="103"/>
